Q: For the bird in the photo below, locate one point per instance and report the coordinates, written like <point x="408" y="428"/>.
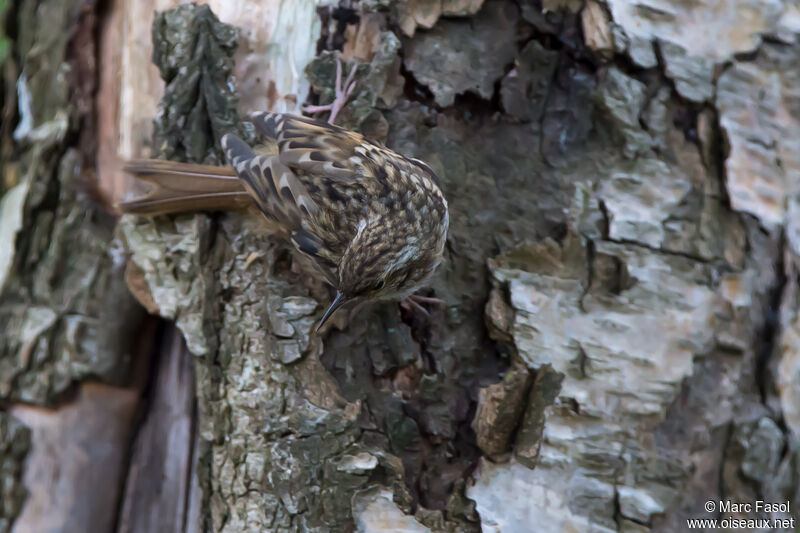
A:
<point x="373" y="222"/>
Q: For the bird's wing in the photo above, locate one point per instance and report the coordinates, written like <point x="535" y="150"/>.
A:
<point x="274" y="187"/>
<point x="324" y="151"/>
<point x="316" y="148"/>
<point x="282" y="197"/>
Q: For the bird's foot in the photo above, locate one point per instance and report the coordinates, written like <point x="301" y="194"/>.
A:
<point x="343" y="92"/>
<point x="414" y="303"/>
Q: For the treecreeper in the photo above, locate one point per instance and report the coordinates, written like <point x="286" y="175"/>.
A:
<point x="373" y="222"/>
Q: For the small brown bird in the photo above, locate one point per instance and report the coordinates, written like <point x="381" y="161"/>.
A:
<point x="373" y="222"/>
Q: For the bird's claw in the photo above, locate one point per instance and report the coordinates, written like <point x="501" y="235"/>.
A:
<point x="343" y="92"/>
<point x="414" y="303"/>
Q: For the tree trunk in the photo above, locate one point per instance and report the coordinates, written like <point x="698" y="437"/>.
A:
<point x="619" y="350"/>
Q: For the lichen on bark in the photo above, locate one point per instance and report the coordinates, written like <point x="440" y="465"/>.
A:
<point x="194" y="53"/>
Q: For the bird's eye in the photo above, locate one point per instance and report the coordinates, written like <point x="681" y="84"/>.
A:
<point x="380" y="285"/>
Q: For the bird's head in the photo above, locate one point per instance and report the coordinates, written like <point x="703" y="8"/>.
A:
<point x="384" y="263"/>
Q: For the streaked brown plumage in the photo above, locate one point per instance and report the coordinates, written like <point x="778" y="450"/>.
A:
<point x="372" y="221"/>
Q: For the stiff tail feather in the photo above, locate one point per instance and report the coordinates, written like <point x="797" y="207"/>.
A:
<point x="181" y="187"/>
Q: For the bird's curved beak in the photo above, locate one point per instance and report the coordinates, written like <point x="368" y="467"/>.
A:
<point x="339" y="301"/>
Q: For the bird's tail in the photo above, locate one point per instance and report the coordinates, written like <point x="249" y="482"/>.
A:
<point x="181" y="187"/>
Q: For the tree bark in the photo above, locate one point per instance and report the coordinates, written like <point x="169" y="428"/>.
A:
<point x="65" y="314"/>
<point x="619" y="345"/>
